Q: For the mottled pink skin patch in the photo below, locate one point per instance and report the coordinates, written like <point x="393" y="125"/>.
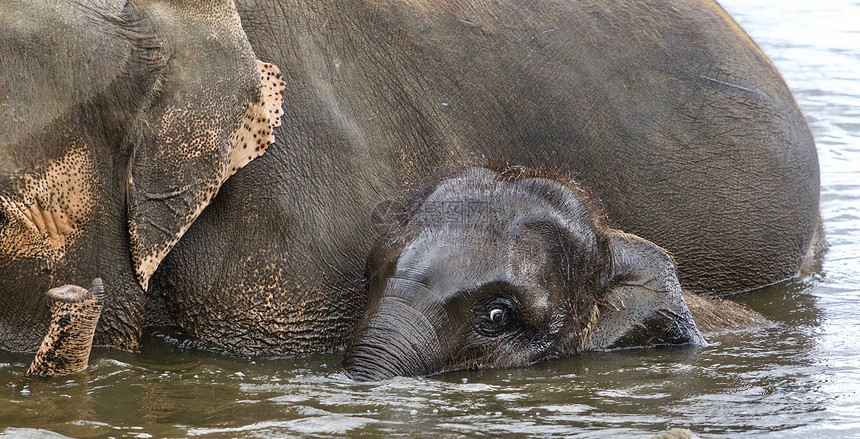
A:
<point x="249" y="140"/>
<point x="51" y="206"/>
<point x="256" y="130"/>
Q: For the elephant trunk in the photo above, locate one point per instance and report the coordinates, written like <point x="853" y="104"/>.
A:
<point x="396" y="340"/>
<point x="74" y="315"/>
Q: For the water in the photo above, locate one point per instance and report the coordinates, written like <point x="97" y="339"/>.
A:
<point x="799" y="378"/>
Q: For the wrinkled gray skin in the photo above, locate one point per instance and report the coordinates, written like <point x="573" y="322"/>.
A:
<point x="116" y="123"/>
<point x="670" y="114"/>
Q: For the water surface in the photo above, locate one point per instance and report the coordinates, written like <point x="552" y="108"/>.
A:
<point x="798" y="378"/>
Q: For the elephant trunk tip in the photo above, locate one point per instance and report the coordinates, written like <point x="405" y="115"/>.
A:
<point x="76" y="294"/>
<point x="69" y="294"/>
<point x="98" y="289"/>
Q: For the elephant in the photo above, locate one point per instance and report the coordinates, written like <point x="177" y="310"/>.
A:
<point x="125" y="119"/>
<point x="511" y="266"/>
<point x="119" y="122"/>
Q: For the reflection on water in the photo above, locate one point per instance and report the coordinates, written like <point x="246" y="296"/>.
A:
<point x="798" y="378"/>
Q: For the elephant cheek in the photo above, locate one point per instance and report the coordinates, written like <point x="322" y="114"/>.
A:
<point x="397" y="341"/>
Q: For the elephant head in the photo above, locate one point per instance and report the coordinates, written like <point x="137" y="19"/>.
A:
<point x="119" y="122"/>
<point x="508" y="268"/>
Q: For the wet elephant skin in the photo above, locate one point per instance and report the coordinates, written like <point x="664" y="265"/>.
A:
<point x="669" y="114"/>
<point x="120" y="120"/>
<point x="506" y="268"/>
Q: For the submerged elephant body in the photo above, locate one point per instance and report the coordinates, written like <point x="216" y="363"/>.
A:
<point x="684" y="131"/>
<point x="669" y="114"/>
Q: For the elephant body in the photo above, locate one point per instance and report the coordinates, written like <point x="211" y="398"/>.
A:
<point x="666" y="112"/>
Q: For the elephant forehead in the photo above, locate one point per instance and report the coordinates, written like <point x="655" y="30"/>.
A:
<point x="467" y="259"/>
<point x="479" y="198"/>
<point x="46" y="210"/>
<point x="451" y="258"/>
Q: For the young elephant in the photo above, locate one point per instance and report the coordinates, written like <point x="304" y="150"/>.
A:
<point x="508" y="268"/>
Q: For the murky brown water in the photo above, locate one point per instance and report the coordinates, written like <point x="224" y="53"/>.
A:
<point x="798" y="378"/>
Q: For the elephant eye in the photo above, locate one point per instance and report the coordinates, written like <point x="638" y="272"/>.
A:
<point x="498" y="315"/>
<point x="495" y="319"/>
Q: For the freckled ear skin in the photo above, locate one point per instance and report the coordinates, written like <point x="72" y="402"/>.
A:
<point x="644" y="303"/>
<point x="215" y="111"/>
<point x="74" y="315"/>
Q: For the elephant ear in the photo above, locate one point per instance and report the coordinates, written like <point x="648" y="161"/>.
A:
<point x="214" y="110"/>
<point x="644" y="304"/>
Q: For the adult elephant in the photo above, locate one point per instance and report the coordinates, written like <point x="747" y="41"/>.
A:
<point x="119" y="121"/>
<point x="668" y="112"/>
